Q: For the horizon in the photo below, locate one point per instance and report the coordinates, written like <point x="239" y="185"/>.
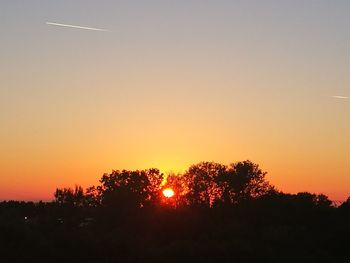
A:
<point x="89" y="87"/>
<point x="179" y="173"/>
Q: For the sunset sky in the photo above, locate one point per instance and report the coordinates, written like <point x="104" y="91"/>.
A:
<point x="140" y="84"/>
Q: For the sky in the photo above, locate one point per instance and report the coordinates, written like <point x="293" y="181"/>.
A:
<point x="89" y="86"/>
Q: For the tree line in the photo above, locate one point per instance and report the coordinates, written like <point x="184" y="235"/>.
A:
<point x="205" y="184"/>
<point x="226" y="213"/>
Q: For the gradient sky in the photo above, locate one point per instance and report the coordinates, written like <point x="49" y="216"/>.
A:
<point x="172" y="83"/>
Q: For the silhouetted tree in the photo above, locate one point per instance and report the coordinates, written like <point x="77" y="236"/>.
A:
<point x="130" y="189"/>
<point x="70" y="197"/>
<point x="322" y="201"/>
<point x="209" y="183"/>
<point x="243" y="181"/>
<point x="201" y="183"/>
<point x="177" y="183"/>
<point x="92" y="197"/>
<point x="345" y="205"/>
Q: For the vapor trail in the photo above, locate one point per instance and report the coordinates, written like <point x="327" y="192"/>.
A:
<point x="75" y="26"/>
<point x="340" y="97"/>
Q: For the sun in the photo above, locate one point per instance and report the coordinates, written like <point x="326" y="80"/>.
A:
<point x="168" y="192"/>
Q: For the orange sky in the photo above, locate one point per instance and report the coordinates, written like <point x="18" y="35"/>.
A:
<point x="169" y="85"/>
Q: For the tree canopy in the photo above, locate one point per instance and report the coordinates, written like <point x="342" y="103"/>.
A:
<point x="204" y="184"/>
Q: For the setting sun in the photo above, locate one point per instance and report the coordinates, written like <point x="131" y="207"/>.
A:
<point x="168" y="192"/>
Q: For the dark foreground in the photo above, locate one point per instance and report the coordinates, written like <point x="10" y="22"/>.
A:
<point x="276" y="228"/>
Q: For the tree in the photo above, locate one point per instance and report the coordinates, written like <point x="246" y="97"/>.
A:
<point x="92" y="196"/>
<point x="345" y="205"/>
<point x="202" y="185"/>
<point x="210" y="183"/>
<point x="130" y="189"/>
<point x="70" y="197"/>
<point x="177" y="183"/>
<point x="242" y="181"/>
<point x="322" y="201"/>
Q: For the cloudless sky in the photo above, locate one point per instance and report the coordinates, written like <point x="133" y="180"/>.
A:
<point x="172" y="83"/>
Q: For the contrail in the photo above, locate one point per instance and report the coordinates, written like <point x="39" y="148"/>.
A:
<point x="73" y="26"/>
<point x="340" y="97"/>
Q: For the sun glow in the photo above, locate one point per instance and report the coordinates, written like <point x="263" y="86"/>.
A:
<point x="168" y="192"/>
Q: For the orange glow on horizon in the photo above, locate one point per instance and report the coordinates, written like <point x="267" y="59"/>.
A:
<point x="168" y="192"/>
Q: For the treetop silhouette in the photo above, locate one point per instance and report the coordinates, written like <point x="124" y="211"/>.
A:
<point x="204" y="184"/>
